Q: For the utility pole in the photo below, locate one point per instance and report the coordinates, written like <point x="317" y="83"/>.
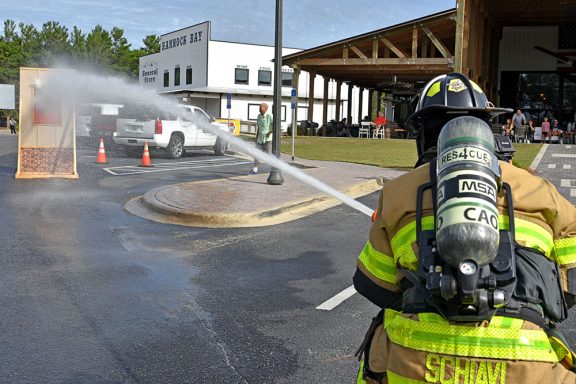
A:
<point x="275" y="177"/>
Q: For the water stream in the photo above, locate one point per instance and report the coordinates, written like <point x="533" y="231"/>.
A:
<point x="78" y="87"/>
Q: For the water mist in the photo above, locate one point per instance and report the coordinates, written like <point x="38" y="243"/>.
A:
<point x="77" y="87"/>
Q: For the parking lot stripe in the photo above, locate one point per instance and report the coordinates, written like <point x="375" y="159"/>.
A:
<point x="539" y="157"/>
<point x="567" y="166"/>
<point x="333" y="302"/>
<point x="551" y="166"/>
<point x="564" y="155"/>
<point x="163" y="167"/>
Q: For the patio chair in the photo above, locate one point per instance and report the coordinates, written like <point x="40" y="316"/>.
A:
<point x="364" y="129"/>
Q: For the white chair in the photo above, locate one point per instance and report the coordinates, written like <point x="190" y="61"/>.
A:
<point x="378" y="132"/>
<point x="364" y="129"/>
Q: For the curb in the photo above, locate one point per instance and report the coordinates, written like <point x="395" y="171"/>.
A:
<point x="148" y="207"/>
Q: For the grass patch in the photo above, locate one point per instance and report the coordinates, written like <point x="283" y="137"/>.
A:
<point x="525" y="154"/>
<point x="383" y="153"/>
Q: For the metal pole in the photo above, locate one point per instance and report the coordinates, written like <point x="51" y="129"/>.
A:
<point x="275" y="177"/>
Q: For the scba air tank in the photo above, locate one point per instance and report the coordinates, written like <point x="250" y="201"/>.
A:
<point x="467" y="186"/>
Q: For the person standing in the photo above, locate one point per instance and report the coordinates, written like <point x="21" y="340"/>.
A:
<point x="519" y="118"/>
<point x="437" y="321"/>
<point x="12" y="122"/>
<point x="545" y="130"/>
<point x="264" y="131"/>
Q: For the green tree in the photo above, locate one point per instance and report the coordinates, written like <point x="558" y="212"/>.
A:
<point x="78" y="46"/>
<point x="151" y="44"/>
<point x="10" y="34"/>
<point x="120" y="51"/>
<point x="54" y="43"/>
<point x="99" y="48"/>
<point x="30" y="45"/>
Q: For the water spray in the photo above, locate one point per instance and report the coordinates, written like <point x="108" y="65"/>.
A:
<point x="77" y="87"/>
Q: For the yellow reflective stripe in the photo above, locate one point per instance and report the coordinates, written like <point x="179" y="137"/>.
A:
<point x="506" y="322"/>
<point x="394" y="378"/>
<point x="402" y="241"/>
<point x="461" y="340"/>
<point x="530" y="234"/>
<point x="565" y="250"/>
<point x="378" y="264"/>
<point x="360" y="378"/>
<point x="434" y="89"/>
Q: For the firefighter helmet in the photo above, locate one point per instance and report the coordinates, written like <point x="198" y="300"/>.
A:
<point x="442" y="99"/>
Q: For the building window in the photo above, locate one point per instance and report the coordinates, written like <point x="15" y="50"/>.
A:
<point x="189" y="75"/>
<point x="264" y="77"/>
<point x="241" y="76"/>
<point x="287" y="79"/>
<point x="177" y="76"/>
<point x="166" y="79"/>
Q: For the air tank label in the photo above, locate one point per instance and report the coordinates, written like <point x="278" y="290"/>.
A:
<point x="468" y="154"/>
<point x="461" y="211"/>
<point x="477" y="186"/>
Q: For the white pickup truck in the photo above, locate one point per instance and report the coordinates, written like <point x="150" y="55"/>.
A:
<point x="173" y="131"/>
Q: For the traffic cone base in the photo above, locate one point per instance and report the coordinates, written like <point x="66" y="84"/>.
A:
<point x="146" y="157"/>
<point x="101" y="158"/>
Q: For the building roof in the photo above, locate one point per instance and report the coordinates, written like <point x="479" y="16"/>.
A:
<point x="391" y="58"/>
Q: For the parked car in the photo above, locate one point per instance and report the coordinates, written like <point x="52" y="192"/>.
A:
<point x="95" y="120"/>
<point x="174" y="131"/>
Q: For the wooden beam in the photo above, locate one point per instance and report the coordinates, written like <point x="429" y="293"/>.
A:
<point x="349" y="105"/>
<point x="359" y="53"/>
<point x="437" y="43"/>
<point x="312" y="76"/>
<point x="415" y="43"/>
<point x="459" y="36"/>
<point x="338" y="99"/>
<point x="374" y="49"/>
<point x="393" y="48"/>
<point x="360" y="103"/>
<point x="345" y="53"/>
<point x="424" y="48"/>
<point x="377" y="62"/>
<point x="325" y="106"/>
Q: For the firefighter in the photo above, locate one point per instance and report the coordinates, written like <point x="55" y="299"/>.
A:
<point x="481" y="309"/>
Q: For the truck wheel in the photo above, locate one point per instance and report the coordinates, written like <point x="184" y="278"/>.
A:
<point x="175" y="149"/>
<point x="219" y="147"/>
<point x="133" y="152"/>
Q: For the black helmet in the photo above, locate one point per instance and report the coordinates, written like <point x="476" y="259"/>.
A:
<point x="442" y="99"/>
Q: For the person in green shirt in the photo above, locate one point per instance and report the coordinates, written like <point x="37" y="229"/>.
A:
<point x="264" y="130"/>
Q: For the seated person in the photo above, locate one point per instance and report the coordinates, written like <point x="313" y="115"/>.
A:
<point x="508" y="128"/>
<point x="379" y="123"/>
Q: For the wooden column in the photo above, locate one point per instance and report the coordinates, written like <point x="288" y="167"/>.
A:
<point x="379" y="101"/>
<point x="311" y="97"/>
<point x="360" y="104"/>
<point x="349" y="111"/>
<point x="325" y="106"/>
<point x="370" y="103"/>
<point x="338" y="99"/>
<point x="459" y="44"/>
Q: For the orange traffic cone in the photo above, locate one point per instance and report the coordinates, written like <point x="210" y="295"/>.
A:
<point x="146" y="157"/>
<point x="101" y="159"/>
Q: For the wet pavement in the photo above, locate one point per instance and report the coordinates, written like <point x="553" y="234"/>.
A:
<point x="248" y="201"/>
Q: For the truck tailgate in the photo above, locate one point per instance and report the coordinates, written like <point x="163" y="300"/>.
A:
<point x="137" y="129"/>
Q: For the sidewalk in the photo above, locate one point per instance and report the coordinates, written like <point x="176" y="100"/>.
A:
<point x="248" y="201"/>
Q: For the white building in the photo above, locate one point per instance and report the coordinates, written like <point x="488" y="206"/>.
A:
<point x="197" y="70"/>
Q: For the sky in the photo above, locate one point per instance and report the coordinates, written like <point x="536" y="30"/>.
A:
<point x="306" y="23"/>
